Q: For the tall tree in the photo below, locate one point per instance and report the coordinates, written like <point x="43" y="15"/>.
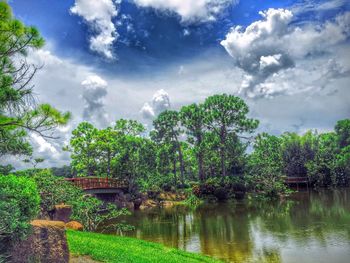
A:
<point x="226" y="114"/>
<point x="265" y="165"/>
<point x="83" y="147"/>
<point x="107" y="141"/>
<point x="129" y="127"/>
<point x="168" y="130"/>
<point x="19" y="112"/>
<point x="192" y="118"/>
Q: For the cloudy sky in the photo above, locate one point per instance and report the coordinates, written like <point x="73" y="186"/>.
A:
<point x="110" y="59"/>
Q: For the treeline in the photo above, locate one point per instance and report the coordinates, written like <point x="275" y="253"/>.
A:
<point x="207" y="143"/>
<point x="196" y="143"/>
<point x="323" y="158"/>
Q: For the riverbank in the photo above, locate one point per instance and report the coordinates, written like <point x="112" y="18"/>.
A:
<point x="108" y="248"/>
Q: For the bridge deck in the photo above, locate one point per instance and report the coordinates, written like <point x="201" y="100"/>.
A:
<point x="90" y="183"/>
<point x="297" y="180"/>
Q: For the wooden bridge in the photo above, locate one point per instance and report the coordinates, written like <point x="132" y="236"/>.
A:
<point x="297" y="181"/>
<point x="99" y="185"/>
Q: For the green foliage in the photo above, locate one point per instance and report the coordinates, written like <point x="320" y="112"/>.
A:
<point x="297" y="151"/>
<point x="342" y="129"/>
<point x="18" y="110"/>
<point x="226" y="115"/>
<point x="167" y="131"/>
<point x="323" y="158"/>
<point x="331" y="165"/>
<point x="193" y="201"/>
<point x="55" y="190"/>
<point x="265" y="166"/>
<point x="192" y="118"/>
<point x="88" y="211"/>
<point x="118" y="152"/>
<point x="19" y="204"/>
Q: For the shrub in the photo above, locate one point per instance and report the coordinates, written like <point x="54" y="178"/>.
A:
<point x="85" y="209"/>
<point x="19" y="204"/>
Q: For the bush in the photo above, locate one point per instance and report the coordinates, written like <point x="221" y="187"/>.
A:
<point x="19" y="204"/>
<point x="85" y="208"/>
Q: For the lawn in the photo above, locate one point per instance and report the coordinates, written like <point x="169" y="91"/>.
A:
<point x="109" y="248"/>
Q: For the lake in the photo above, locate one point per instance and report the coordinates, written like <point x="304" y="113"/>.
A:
<point x="308" y="227"/>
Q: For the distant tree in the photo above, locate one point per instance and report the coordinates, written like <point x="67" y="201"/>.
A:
<point x="6" y="169"/>
<point x="265" y="166"/>
<point x="342" y="129"/>
<point x="64" y="171"/>
<point x="83" y="149"/>
<point x="107" y="143"/>
<point x="129" y="127"/>
<point x="297" y="151"/>
<point x="167" y="129"/>
<point x="331" y="164"/>
<point x="34" y="161"/>
<point x="225" y="115"/>
<point x="192" y="118"/>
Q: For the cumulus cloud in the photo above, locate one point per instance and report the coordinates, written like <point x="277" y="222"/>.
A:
<point x="147" y="111"/>
<point x="190" y="10"/>
<point x="98" y="15"/>
<point x="269" y="46"/>
<point x="160" y="102"/>
<point x="95" y="90"/>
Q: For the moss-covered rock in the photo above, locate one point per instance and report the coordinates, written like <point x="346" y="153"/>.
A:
<point x="46" y="244"/>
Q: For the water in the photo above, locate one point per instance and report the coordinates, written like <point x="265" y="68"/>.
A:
<point x="310" y="227"/>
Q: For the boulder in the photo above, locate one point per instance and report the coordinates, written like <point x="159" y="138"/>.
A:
<point x="75" y="225"/>
<point x="46" y="244"/>
<point x="62" y="212"/>
<point x="149" y="203"/>
<point x="169" y="203"/>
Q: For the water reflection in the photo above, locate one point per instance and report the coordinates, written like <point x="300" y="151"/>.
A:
<point x="308" y="227"/>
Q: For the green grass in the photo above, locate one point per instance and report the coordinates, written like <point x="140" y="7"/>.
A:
<point x="109" y="248"/>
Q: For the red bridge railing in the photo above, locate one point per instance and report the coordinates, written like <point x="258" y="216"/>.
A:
<point x="88" y="183"/>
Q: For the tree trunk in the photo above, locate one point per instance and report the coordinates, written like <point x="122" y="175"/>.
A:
<point x="174" y="171"/>
<point x="200" y="167"/>
<point x="109" y="164"/>
<point x="200" y="159"/>
<point x="222" y="151"/>
<point x="182" y="166"/>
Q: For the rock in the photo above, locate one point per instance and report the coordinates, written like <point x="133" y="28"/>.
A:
<point x="169" y="196"/>
<point x="148" y="203"/>
<point x="46" y="244"/>
<point x="75" y="225"/>
<point x="168" y="203"/>
<point x="62" y="213"/>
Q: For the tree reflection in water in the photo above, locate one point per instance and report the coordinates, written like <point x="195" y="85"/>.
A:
<point x="307" y="226"/>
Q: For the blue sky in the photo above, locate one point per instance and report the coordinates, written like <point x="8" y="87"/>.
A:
<point x="154" y="39"/>
<point x="109" y="59"/>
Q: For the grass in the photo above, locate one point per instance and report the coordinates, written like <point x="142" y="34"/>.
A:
<point x="109" y="248"/>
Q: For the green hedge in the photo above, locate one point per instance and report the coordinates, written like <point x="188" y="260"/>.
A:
<point x="19" y="204"/>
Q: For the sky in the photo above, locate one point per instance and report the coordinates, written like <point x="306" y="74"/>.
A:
<point x="110" y="59"/>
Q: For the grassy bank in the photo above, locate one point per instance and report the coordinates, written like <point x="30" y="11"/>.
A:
<point x="108" y="248"/>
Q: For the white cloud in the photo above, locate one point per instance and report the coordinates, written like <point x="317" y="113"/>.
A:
<point x="95" y="90"/>
<point x="269" y="46"/>
<point x="99" y="15"/>
<point x="147" y="111"/>
<point x="190" y="10"/>
<point x="160" y="102"/>
<point x="43" y="145"/>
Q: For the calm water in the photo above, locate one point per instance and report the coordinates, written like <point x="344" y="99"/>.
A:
<point x="311" y="227"/>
